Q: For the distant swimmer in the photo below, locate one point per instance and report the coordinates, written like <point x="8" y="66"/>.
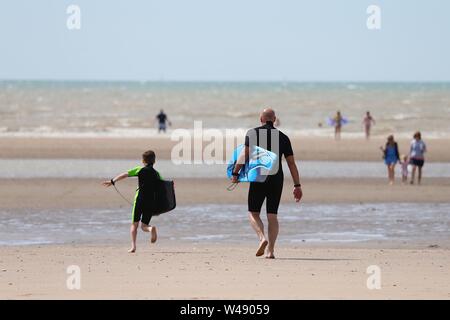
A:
<point x="368" y="121"/>
<point x="270" y="138"/>
<point x="147" y="202"/>
<point x="391" y="157"/>
<point x="417" y="152"/>
<point x="337" y="125"/>
<point x="163" y="121"/>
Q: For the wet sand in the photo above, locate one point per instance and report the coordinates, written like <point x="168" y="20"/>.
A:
<point x="88" y="193"/>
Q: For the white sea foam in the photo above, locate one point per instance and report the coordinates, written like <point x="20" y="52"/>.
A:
<point x="127" y="132"/>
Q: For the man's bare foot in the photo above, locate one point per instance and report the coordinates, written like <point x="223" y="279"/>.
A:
<point x="154" y="236"/>
<point x="132" y="250"/>
<point x="262" y="248"/>
<point x="270" y="256"/>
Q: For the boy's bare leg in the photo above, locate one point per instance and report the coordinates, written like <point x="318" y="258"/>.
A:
<point x="152" y="230"/>
<point x="133" y="233"/>
<point x="258" y="226"/>
<point x="273" y="234"/>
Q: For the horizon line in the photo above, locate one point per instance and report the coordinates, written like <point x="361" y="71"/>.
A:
<point x="226" y="81"/>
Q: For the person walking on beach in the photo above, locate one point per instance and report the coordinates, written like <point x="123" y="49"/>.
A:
<point x="163" y="120"/>
<point x="417" y="152"/>
<point x="270" y="138"/>
<point x="142" y="208"/>
<point x="368" y="121"/>
<point x="391" y="157"/>
<point x="404" y="162"/>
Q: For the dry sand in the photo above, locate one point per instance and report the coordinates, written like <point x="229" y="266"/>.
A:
<point x="171" y="271"/>
<point x="305" y="148"/>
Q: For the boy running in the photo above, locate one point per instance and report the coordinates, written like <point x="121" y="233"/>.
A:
<point x="142" y="208"/>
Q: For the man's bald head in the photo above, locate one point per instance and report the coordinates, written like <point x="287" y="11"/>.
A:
<point x="268" y="115"/>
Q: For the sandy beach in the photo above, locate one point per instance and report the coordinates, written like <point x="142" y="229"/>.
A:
<point x="88" y="193"/>
<point x="179" y="271"/>
<point x="211" y="269"/>
<point x="306" y="148"/>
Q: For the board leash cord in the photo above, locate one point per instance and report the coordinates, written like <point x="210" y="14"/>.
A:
<point x="120" y="194"/>
<point x="232" y="186"/>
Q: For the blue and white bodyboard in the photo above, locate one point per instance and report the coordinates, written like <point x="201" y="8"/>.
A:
<point x="260" y="165"/>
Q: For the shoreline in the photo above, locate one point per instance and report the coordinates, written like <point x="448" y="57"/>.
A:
<point x="142" y="243"/>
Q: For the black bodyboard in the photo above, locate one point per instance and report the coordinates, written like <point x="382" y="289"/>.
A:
<point x="165" y="200"/>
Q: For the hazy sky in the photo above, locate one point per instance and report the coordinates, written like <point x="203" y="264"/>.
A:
<point x="262" y="40"/>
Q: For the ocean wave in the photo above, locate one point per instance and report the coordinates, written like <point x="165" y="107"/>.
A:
<point x="128" y="132"/>
<point x="404" y="116"/>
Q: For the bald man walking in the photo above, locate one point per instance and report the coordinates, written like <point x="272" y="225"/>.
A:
<point x="269" y="138"/>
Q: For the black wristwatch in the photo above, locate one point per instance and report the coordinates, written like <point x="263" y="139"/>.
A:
<point x="297" y="185"/>
<point x="112" y="182"/>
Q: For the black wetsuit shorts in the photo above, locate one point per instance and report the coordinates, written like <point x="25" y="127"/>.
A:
<point x="270" y="190"/>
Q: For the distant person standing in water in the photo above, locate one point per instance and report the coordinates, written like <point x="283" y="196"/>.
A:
<point x="337" y="121"/>
<point x="163" y="120"/>
<point x="391" y="157"/>
<point x="368" y="121"/>
<point x="417" y="156"/>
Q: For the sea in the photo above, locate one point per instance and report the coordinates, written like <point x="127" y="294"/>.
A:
<point x="128" y="109"/>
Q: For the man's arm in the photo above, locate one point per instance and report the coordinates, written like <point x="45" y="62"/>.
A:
<point x="296" y="177"/>
<point x="116" y="179"/>
<point x="240" y="163"/>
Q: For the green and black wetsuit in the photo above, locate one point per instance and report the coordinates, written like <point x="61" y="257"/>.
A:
<point x="145" y="193"/>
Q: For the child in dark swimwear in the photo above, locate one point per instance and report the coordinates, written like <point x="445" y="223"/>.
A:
<point x="142" y="208"/>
